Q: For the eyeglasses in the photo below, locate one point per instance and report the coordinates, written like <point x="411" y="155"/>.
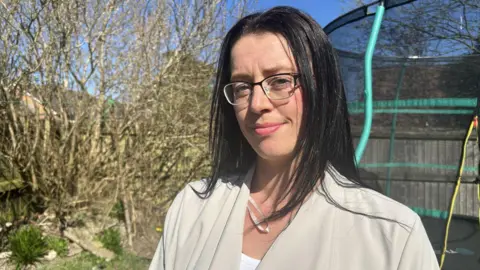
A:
<point x="276" y="87"/>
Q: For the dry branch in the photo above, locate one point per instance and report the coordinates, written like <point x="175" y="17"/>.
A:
<point x="119" y="93"/>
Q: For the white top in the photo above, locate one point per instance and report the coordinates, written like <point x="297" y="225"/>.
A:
<point x="248" y="263"/>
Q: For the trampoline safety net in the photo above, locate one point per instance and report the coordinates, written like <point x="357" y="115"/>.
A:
<point x="426" y="86"/>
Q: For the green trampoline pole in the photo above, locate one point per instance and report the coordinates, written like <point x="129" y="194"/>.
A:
<point x="393" y="129"/>
<point x="368" y="82"/>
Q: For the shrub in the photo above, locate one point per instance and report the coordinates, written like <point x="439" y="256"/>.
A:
<point x="111" y="239"/>
<point x="27" y="246"/>
<point x="118" y="211"/>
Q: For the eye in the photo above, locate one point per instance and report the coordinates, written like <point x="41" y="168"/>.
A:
<point x="280" y="83"/>
<point x="240" y="89"/>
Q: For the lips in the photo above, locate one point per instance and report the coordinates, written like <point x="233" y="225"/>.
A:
<point x="267" y="128"/>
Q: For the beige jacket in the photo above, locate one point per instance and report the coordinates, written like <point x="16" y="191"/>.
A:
<point x="207" y="234"/>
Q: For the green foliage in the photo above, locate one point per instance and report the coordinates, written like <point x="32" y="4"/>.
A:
<point x="14" y="208"/>
<point x="111" y="239"/>
<point x="128" y="261"/>
<point x="27" y="246"/>
<point x="58" y="244"/>
<point x="7" y="185"/>
<point x="86" y="260"/>
<point x="4" y="232"/>
<point x="6" y="216"/>
<point x="118" y="211"/>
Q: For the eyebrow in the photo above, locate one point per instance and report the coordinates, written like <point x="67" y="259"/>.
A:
<point x="240" y="77"/>
<point x="266" y="72"/>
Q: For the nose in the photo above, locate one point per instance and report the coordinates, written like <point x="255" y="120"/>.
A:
<point x="259" y="101"/>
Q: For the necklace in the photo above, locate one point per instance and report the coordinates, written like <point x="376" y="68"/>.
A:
<point x="254" y="218"/>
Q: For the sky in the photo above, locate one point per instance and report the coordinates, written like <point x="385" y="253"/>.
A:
<point x="323" y="11"/>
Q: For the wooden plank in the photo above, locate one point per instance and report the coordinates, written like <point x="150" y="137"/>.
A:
<point x="430" y="188"/>
<point x="440" y="152"/>
<point x="414" y="133"/>
<point x="435" y="196"/>
<point x="404" y="176"/>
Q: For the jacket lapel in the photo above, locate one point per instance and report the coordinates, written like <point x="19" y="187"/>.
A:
<point x="308" y="241"/>
<point x="223" y="247"/>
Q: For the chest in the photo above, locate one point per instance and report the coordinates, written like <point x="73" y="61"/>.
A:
<point x="319" y="237"/>
<point x="316" y="247"/>
<point x="256" y="243"/>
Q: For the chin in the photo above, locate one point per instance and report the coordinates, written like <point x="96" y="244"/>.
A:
<point x="273" y="151"/>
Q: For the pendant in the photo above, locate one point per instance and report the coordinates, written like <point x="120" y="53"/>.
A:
<point x="254" y="218"/>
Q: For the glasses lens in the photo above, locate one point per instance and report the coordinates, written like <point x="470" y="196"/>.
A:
<point x="280" y="86"/>
<point x="237" y="93"/>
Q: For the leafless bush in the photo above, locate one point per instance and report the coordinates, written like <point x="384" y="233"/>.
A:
<point x="106" y="101"/>
<point x="421" y="28"/>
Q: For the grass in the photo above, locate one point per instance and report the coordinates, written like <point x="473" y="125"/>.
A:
<point x="59" y="245"/>
<point x="27" y="246"/>
<point x="86" y="261"/>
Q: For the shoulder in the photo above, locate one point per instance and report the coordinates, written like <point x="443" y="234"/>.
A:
<point x="376" y="224"/>
<point x="366" y="202"/>
<point x="192" y="198"/>
<point x="376" y="204"/>
<point x="192" y="209"/>
<point x="364" y="214"/>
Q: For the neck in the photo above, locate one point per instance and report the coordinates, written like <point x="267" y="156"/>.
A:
<point x="271" y="179"/>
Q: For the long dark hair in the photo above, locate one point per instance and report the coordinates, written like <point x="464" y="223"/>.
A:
<point x="325" y="133"/>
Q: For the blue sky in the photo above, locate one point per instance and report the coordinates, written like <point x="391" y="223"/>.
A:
<point x="324" y="11"/>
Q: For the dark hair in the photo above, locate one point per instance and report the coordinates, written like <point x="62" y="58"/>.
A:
<point x="325" y="133"/>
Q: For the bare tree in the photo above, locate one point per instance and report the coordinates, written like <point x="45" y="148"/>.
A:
<point x="104" y="101"/>
<point x="426" y="27"/>
<point x="425" y="49"/>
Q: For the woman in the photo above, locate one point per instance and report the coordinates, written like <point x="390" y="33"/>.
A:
<point x="285" y="192"/>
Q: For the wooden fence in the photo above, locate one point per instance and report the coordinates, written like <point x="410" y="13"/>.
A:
<point x="423" y="168"/>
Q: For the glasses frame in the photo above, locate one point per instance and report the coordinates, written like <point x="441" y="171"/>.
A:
<point x="252" y="85"/>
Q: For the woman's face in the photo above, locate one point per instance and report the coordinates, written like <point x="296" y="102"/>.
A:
<point x="270" y="126"/>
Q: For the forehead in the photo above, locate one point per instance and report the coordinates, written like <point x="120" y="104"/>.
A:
<point x="261" y="54"/>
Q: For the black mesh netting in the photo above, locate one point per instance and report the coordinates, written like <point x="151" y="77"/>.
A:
<point x="426" y="81"/>
<point x="422" y="79"/>
<point x="426" y="49"/>
<point x="419" y="28"/>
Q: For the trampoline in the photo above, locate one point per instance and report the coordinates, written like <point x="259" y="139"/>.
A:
<point x="412" y="75"/>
